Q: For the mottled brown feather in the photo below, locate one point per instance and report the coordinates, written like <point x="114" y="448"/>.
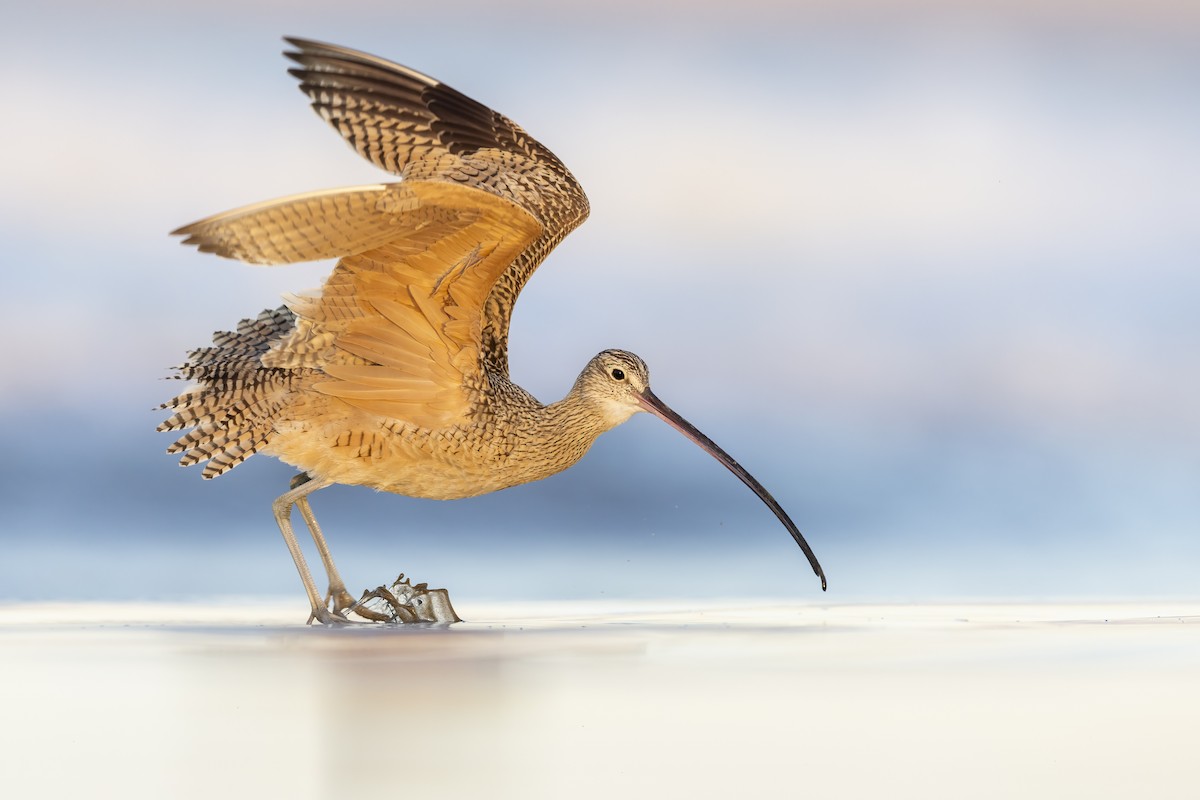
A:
<point x="407" y="347"/>
<point x="413" y="125"/>
<point x="304" y="227"/>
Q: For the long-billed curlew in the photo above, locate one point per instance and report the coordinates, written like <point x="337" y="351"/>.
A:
<point x="395" y="375"/>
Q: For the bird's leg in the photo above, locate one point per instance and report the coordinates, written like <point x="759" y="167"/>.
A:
<point x="337" y="593"/>
<point x="283" y="512"/>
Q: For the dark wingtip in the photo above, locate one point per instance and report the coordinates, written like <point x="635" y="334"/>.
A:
<point x="300" y="42"/>
<point x="301" y="45"/>
<point x="310" y="46"/>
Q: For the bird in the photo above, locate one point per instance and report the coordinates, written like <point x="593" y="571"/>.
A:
<point x="394" y="374"/>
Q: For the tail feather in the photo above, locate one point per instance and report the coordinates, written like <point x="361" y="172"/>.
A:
<point x="243" y="346"/>
<point x="231" y="409"/>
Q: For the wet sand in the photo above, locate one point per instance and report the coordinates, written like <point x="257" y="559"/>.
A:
<point x="561" y="700"/>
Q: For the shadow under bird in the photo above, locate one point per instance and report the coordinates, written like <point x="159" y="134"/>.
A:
<point x="395" y="374"/>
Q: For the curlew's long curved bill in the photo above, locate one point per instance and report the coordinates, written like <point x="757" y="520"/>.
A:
<point x="650" y="402"/>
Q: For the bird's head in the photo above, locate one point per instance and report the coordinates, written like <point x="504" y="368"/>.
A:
<point x="615" y="384"/>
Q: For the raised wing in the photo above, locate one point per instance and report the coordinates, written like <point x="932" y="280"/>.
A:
<point x="418" y="127"/>
<point x="397" y="328"/>
<point x="413" y="125"/>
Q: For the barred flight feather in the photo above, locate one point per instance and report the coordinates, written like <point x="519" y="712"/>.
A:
<point x="232" y="408"/>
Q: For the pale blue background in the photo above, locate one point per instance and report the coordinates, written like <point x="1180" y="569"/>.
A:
<point x="930" y="274"/>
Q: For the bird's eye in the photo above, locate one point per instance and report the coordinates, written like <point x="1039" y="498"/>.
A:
<point x="618" y="374"/>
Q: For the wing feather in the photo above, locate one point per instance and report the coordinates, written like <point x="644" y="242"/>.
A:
<point x="413" y="125"/>
<point x="394" y="116"/>
<point x="405" y="323"/>
<point x="304" y="227"/>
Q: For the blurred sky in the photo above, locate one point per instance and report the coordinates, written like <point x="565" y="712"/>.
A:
<point x="927" y="269"/>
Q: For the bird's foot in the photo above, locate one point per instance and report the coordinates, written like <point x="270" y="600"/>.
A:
<point x="403" y="602"/>
<point x="324" y="616"/>
<point x="337" y="602"/>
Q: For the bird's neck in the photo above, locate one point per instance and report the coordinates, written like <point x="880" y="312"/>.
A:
<point x="553" y="437"/>
<point x="574" y="419"/>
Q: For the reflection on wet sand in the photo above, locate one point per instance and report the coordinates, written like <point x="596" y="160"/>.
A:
<point x="566" y="700"/>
